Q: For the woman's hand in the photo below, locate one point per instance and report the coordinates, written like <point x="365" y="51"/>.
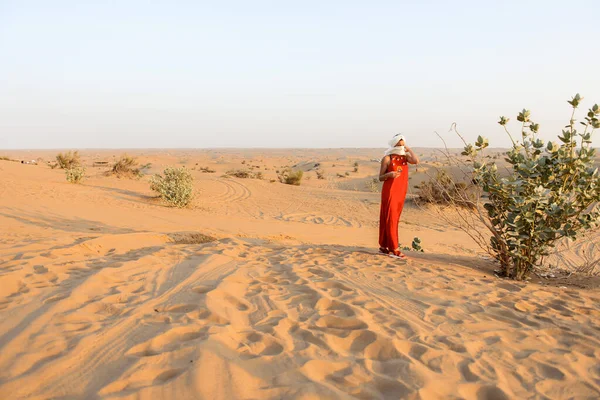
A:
<point x="383" y="175"/>
<point x="413" y="159"/>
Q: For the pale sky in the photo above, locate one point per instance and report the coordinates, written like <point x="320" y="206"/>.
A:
<point x="174" y="74"/>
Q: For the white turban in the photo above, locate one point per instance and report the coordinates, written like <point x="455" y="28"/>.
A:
<point x="392" y="143"/>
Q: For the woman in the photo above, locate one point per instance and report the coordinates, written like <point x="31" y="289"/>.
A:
<point x="394" y="175"/>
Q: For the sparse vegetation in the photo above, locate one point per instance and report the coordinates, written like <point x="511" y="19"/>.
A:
<point x="442" y="189"/>
<point x="320" y="174"/>
<point x="290" y="177"/>
<point x="355" y="166"/>
<point x="206" y="170"/>
<point x="244" y="174"/>
<point x="126" y="167"/>
<point x="4" y="158"/>
<point x="75" y="174"/>
<point x="374" y="185"/>
<point x="68" y="160"/>
<point x="176" y="187"/>
<point x="190" y="238"/>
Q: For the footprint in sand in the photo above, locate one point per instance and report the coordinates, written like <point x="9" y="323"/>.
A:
<point x="256" y="344"/>
<point x="56" y="298"/>
<point x="333" y="322"/>
<point x="167" y="375"/>
<point x="202" y="289"/>
<point x="168" y="341"/>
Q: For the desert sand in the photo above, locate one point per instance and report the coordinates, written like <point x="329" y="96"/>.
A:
<point x="262" y="290"/>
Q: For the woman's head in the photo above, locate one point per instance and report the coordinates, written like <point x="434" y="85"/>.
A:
<point x="397" y="140"/>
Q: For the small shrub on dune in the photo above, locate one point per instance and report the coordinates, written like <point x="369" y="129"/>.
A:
<point x="68" y="160"/>
<point x="414" y="246"/>
<point x="175" y="186"/>
<point x="126" y="167"/>
<point x="75" y="174"/>
<point x="290" y="177"/>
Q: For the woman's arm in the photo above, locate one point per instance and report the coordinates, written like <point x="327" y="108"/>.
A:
<point x="413" y="159"/>
<point x="383" y="175"/>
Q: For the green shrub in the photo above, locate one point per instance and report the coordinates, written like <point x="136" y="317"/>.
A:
<point x="552" y="191"/>
<point x="75" y="174"/>
<point x="416" y="245"/>
<point x="176" y="187"/>
<point x="290" y="178"/>
<point x="68" y="160"/>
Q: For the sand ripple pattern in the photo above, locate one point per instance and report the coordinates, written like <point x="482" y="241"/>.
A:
<point x="320" y="219"/>
<point x="237" y="319"/>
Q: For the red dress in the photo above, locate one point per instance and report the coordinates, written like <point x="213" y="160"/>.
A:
<point x="392" y="203"/>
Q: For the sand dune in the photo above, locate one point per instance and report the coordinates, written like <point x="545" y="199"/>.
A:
<point x="266" y="291"/>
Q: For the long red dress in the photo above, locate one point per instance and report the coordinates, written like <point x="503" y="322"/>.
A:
<point x="392" y="203"/>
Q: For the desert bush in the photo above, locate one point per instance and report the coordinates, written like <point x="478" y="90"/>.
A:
<point x="75" y="174"/>
<point x="374" y="185"/>
<point x="552" y="191"/>
<point x="68" y="160"/>
<point x="4" y="158"/>
<point x="176" y="187"/>
<point x="244" y="174"/>
<point x="207" y="170"/>
<point x="190" y="238"/>
<point x="126" y="167"/>
<point x="290" y="177"/>
<point x="320" y="174"/>
<point x="442" y="189"/>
